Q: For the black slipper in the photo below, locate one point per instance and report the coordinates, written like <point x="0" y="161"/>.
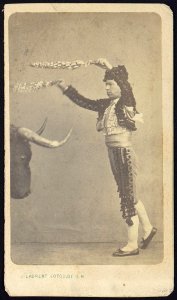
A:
<point x="122" y="253"/>
<point x="145" y="242"/>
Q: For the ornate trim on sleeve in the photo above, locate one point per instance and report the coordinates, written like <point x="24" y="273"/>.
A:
<point x="125" y="117"/>
<point x="95" y="105"/>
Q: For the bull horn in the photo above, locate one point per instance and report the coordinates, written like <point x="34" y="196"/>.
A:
<point x="37" y="139"/>
<point x="41" y="129"/>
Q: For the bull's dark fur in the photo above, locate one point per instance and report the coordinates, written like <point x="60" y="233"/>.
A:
<point x="20" y="156"/>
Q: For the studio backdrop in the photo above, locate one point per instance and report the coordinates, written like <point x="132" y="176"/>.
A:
<point x="73" y="193"/>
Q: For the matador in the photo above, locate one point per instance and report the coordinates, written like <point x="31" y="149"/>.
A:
<point x="117" y="116"/>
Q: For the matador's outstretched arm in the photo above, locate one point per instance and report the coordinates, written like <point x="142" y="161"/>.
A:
<point x="72" y="94"/>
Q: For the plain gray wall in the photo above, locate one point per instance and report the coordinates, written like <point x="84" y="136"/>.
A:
<point x="74" y="196"/>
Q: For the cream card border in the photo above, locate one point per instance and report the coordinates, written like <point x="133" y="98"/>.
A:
<point x="102" y="281"/>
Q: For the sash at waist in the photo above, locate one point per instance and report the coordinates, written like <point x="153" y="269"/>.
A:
<point x="119" y="140"/>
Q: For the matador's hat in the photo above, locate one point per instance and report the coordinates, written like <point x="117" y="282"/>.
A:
<point x="119" y="74"/>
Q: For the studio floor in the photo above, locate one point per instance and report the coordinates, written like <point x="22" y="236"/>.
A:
<point x="82" y="254"/>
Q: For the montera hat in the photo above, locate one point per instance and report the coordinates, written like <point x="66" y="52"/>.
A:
<point x="118" y="74"/>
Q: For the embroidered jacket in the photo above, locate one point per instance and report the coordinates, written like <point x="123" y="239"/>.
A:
<point x="124" y="113"/>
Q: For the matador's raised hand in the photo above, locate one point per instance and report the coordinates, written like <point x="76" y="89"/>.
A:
<point x="60" y="83"/>
<point x="102" y="63"/>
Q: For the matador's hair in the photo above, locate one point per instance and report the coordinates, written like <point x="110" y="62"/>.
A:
<point x="120" y="76"/>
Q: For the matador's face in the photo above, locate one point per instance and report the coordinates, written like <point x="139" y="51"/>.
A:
<point x="112" y="89"/>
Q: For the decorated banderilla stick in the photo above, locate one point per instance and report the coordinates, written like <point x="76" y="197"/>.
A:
<point x="62" y="64"/>
<point x="28" y="87"/>
<point x="25" y="87"/>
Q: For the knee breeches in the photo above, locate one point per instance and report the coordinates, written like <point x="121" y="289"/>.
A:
<point x="124" y="167"/>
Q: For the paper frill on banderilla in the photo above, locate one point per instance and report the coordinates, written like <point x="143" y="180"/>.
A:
<point x="26" y="87"/>
<point x="62" y="64"/>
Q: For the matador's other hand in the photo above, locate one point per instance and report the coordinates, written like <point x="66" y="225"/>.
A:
<point x="60" y="83"/>
<point x="102" y="63"/>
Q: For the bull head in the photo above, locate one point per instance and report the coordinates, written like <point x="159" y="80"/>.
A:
<point x="20" y="156"/>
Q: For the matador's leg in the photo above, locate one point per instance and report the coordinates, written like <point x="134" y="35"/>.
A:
<point x="120" y="169"/>
<point x="144" y="219"/>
